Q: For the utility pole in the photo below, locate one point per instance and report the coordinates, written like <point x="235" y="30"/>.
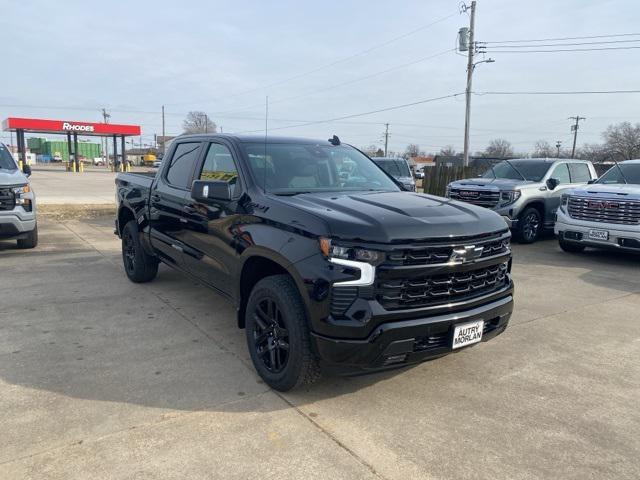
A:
<point x="206" y="123"/>
<point x="164" y="138"/>
<point x="574" y="129"/>
<point x="558" y="145"/>
<point x="105" y="116"/>
<point x="386" y="138"/>
<point x="470" y="67"/>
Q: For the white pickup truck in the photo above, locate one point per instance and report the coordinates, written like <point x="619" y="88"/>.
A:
<point x="17" y="202"/>
<point x="603" y="214"/>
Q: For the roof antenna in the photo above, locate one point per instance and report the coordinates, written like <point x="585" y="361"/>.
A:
<point x="335" y="140"/>
<point x="266" y="129"/>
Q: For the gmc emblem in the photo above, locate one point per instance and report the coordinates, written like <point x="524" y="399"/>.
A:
<point x="468" y="193"/>
<point x="603" y="205"/>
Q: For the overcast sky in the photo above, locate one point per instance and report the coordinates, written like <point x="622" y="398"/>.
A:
<point x="66" y="60"/>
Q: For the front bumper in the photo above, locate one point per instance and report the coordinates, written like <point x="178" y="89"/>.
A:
<point x="577" y="231"/>
<point x="14" y="223"/>
<point x="405" y="342"/>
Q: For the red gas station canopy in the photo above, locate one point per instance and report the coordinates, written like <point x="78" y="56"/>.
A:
<point x="67" y="126"/>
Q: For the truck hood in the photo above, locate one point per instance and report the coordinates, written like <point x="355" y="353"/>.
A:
<point x="388" y="217"/>
<point x="12" y="177"/>
<point x="496" y="184"/>
<point x="620" y="191"/>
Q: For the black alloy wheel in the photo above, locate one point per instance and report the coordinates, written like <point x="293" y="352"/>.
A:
<point x="128" y="251"/>
<point x="270" y="336"/>
<point x="530" y="225"/>
<point x="139" y="266"/>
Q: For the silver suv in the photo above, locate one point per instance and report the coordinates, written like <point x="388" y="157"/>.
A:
<point x="17" y="202"/>
<point x="525" y="191"/>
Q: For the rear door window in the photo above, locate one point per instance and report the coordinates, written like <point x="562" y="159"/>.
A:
<point x="182" y="164"/>
<point x="579" y="172"/>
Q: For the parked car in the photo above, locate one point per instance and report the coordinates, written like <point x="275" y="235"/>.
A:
<point x="419" y="173"/>
<point x="605" y="214"/>
<point x="399" y="169"/>
<point x="345" y="272"/>
<point x="525" y="191"/>
<point x="157" y="163"/>
<point x="17" y="202"/>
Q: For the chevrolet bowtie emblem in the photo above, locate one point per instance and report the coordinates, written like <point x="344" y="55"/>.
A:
<point x="466" y="254"/>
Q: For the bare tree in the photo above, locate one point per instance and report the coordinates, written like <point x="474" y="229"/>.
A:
<point x="198" y="122"/>
<point x="499" y="148"/>
<point x="448" y="151"/>
<point x="412" y="150"/>
<point x="370" y="150"/>
<point x="594" y="152"/>
<point x="623" y="140"/>
<point x="543" y="149"/>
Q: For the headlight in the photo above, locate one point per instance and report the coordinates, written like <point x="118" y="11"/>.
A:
<point x="352" y="258"/>
<point x="564" y="201"/>
<point x="509" y="197"/>
<point x="331" y="250"/>
<point x="20" y="193"/>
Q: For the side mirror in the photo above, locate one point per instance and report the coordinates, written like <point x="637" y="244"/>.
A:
<point x="207" y="190"/>
<point x="26" y="169"/>
<point x="552" y="183"/>
<point x="592" y="181"/>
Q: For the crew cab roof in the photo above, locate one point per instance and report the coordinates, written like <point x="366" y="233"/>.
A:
<point x="254" y="138"/>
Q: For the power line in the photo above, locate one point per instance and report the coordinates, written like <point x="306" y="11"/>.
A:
<point x="570" y="92"/>
<point x="342" y="84"/>
<point x="562" y="50"/>
<point x="354" y="115"/>
<point x="567" y="38"/>
<point x="561" y="44"/>
<point x="331" y="64"/>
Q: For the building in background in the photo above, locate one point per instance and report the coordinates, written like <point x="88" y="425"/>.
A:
<point x="58" y="150"/>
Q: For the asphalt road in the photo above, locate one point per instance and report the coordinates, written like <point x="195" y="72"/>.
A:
<point x="101" y="378"/>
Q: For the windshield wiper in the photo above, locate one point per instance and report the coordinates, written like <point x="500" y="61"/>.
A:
<point x="517" y="171"/>
<point x="289" y="194"/>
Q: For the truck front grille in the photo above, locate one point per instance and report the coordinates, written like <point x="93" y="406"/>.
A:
<point x="7" y="199"/>
<point x="623" y="212"/>
<point x="428" y="290"/>
<point x="483" y="198"/>
<point x="437" y="255"/>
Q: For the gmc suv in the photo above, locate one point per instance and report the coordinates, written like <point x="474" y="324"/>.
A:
<point x="525" y="191"/>
<point x="327" y="260"/>
<point x="17" y="202"/>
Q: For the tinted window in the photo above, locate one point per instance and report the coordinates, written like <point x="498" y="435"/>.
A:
<point x="630" y="174"/>
<point x="579" y="172"/>
<point x="395" y="168"/>
<point x="561" y="173"/>
<point x="219" y="165"/>
<point x="182" y="163"/>
<point x="531" y="170"/>
<point x="289" y="168"/>
<point x="6" y="160"/>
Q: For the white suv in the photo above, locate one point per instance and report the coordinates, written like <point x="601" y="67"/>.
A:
<point x="17" y="202"/>
<point x="603" y="214"/>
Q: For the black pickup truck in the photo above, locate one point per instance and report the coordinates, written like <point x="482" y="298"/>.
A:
<point x="330" y="264"/>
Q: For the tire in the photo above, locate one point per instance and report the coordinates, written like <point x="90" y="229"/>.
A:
<point x="139" y="266"/>
<point x="31" y="241"/>
<point x="529" y="226"/>
<point x="278" y="335"/>
<point x="570" y="247"/>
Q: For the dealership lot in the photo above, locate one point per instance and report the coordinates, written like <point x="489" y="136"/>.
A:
<point x="101" y="378"/>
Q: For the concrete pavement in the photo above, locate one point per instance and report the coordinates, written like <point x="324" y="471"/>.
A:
<point x="102" y="378"/>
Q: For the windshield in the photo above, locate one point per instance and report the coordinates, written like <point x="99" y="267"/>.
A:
<point x="395" y="168"/>
<point x="630" y="174"/>
<point x="6" y="160"/>
<point x="531" y="170"/>
<point x="295" y="168"/>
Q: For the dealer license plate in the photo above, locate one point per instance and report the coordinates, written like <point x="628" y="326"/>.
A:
<point x="598" y="235"/>
<point x="467" y="334"/>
